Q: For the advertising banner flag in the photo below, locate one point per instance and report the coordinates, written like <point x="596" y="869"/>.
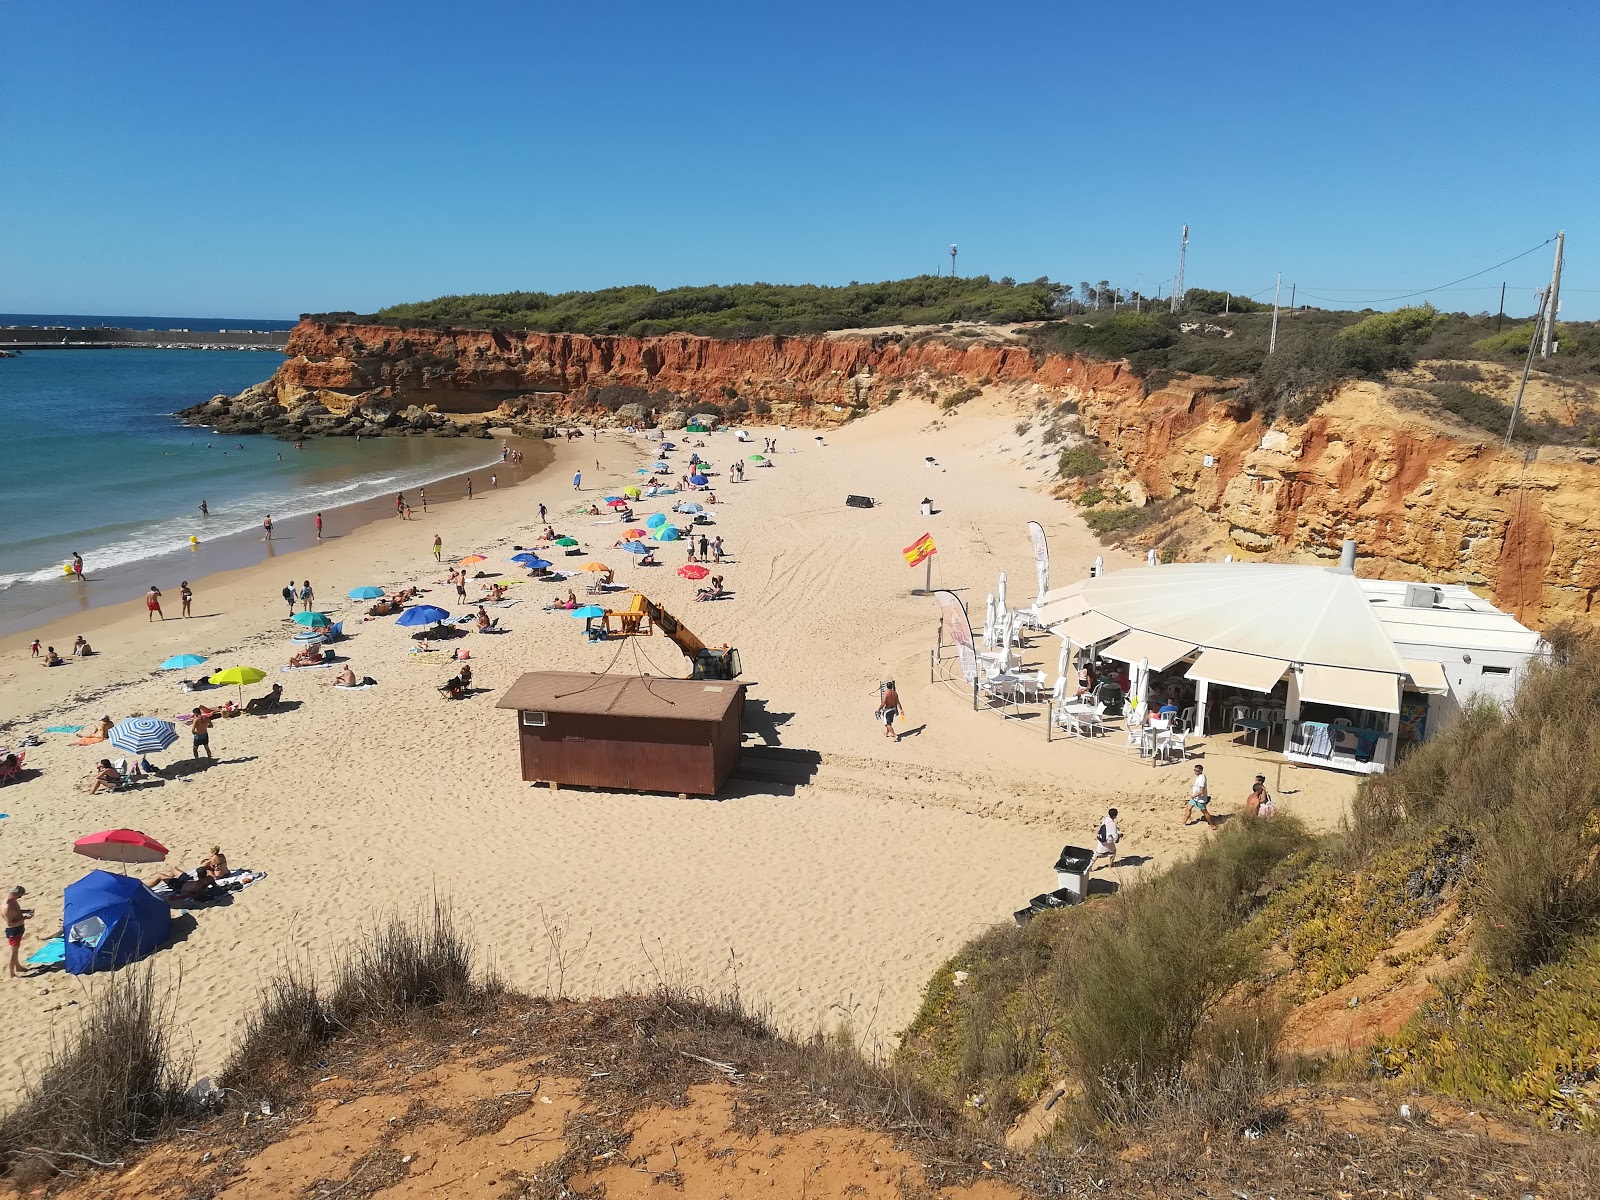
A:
<point x="954" y="614"/>
<point x="1041" y="556"/>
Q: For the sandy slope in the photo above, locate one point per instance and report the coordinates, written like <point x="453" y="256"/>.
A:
<point x="826" y="903"/>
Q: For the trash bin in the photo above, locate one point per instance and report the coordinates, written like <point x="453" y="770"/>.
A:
<point x="927" y="508"/>
<point x="1072" y="870"/>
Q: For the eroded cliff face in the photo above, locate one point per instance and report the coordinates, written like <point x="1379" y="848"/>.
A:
<point x="1422" y="498"/>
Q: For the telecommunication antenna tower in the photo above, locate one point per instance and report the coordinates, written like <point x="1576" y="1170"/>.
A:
<point x="1177" y="284"/>
<point x="952" y="260"/>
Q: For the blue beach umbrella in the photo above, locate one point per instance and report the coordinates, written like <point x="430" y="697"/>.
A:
<point x="365" y="593"/>
<point x="698" y="480"/>
<point x="666" y="534"/>
<point x="179" y="661"/>
<point x="312" y="620"/>
<point x="612" y="499"/>
<point x="422" y="614"/>
<point x="588" y="612"/>
<point x="142" y="735"/>
<point x="669" y="445"/>
<point x="530" y="560"/>
<point x="635" y="548"/>
<point x="662" y="466"/>
<point x="642" y="471"/>
<point x="655" y="521"/>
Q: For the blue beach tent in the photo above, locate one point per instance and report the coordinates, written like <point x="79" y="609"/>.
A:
<point x="111" y="920"/>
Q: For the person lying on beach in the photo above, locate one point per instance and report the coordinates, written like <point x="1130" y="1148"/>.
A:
<point x="199" y="887"/>
<point x="51" y="658"/>
<point x="383" y="608"/>
<point x="713" y="592"/>
<point x="309" y="657"/>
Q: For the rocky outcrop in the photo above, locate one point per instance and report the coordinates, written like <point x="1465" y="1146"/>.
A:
<point x="1422" y="498"/>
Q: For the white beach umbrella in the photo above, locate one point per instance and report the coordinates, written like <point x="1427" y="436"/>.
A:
<point x="988" y="624"/>
<point x="1001" y="590"/>
<point x="1064" y="659"/>
<point x="1150" y="558"/>
<point x="1099" y="568"/>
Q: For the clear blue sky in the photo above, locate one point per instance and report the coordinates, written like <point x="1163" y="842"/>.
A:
<point x="224" y="159"/>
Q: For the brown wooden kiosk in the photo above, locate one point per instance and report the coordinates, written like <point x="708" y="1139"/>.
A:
<point x="627" y="732"/>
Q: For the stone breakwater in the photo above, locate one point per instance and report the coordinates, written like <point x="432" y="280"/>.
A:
<point x="1424" y="499"/>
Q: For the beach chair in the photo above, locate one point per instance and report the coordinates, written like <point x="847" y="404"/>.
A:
<point x="14" y="771"/>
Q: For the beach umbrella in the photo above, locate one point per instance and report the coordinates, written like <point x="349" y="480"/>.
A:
<point x="312" y="620"/>
<point x="632" y="493"/>
<point x="635" y="548"/>
<point x="669" y="445"/>
<point x="612" y="499"/>
<point x="641" y="470"/>
<point x="422" y="614"/>
<point x="567" y="542"/>
<point x="698" y="480"/>
<point x="179" y="661"/>
<point x="617" y="502"/>
<point x="239" y="676"/>
<point x="758" y="458"/>
<point x="655" y="521"/>
<point x="634" y="533"/>
<point x="365" y="593"/>
<point x="597" y="568"/>
<point x="534" y="563"/>
<point x="588" y="612"/>
<point x="689" y="506"/>
<point x="666" y="533"/>
<point x="142" y="735"/>
<point x="470" y="559"/>
<point x="120" y="846"/>
<point x="1000" y="592"/>
<point x="693" y="571"/>
<point x="661" y="466"/>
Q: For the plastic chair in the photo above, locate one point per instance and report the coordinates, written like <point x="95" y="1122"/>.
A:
<point x="7" y="774"/>
<point x="1174" y="740"/>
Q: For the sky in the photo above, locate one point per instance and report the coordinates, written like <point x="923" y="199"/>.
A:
<point x="168" y="158"/>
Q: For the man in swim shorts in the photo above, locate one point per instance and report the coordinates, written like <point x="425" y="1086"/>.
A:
<point x="16" y="920"/>
<point x="200" y="727"/>
<point x="1200" y="799"/>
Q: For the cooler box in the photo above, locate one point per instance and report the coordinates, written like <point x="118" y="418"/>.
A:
<point x="1072" y="871"/>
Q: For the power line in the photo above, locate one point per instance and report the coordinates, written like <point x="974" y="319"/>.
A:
<point x="1442" y="286"/>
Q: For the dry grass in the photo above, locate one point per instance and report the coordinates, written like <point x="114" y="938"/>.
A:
<point x="110" y="1083"/>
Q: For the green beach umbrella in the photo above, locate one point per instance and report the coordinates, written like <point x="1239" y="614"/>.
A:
<point x="758" y="458"/>
<point x="312" y="620"/>
<point x="565" y="541"/>
<point x="239" y="676"/>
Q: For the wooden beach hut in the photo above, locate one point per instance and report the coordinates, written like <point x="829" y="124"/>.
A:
<point x="627" y="732"/>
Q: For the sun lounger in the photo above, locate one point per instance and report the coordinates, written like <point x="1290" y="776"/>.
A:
<point x="14" y="771"/>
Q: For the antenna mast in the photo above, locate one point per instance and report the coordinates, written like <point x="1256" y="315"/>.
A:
<point x="952" y="260"/>
<point x="1177" y="284"/>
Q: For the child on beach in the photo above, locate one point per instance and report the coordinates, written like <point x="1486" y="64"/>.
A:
<point x="35" y="647"/>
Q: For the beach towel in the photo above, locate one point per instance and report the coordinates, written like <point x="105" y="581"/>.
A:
<point x="52" y="953"/>
<point x="508" y="603"/>
<point x="353" y="687"/>
<point x="331" y="661"/>
<point x="239" y="879"/>
<point x="95" y="740"/>
<point x="65" y="728"/>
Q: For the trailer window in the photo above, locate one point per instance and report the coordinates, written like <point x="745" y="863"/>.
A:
<point x="530" y="717"/>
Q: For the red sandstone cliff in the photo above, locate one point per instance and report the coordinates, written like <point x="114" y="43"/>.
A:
<point x="1421" y="497"/>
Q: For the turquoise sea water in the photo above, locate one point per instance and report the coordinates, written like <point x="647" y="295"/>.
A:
<point x="94" y="462"/>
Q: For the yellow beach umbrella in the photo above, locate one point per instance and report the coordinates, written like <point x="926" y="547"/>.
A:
<point x="239" y="676"/>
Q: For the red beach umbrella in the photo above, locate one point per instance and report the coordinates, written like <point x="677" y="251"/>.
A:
<point x="693" y="571"/>
<point x="121" y="846"/>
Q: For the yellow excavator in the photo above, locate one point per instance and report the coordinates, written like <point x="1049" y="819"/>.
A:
<point x="645" y="616"/>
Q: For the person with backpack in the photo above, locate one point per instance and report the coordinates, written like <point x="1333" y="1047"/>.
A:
<point x="288" y="597"/>
<point x="1106" y="837"/>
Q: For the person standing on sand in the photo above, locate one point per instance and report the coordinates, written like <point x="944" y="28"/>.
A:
<point x="152" y="604"/>
<point x="400" y="506"/>
<point x="541" y="514"/>
<point x="469" y="487"/>
<point x="16" y="922"/>
<point x="1106" y="838"/>
<point x="438" y="548"/>
<point x="422" y="495"/>
<point x="187" y="596"/>
<point x="306" y="596"/>
<point x="494" y="480"/>
<point x="288" y="596"/>
<point x="266" y="528"/>
<point x="35" y="647"/>
<point x="889" y="708"/>
<point x="1199" y="799"/>
<point x="577" y="481"/>
<point x="200" y="727"/>
<point x="319" y="527"/>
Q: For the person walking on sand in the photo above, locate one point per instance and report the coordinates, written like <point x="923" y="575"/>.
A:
<point x="186" y="594"/>
<point x="541" y="514"/>
<point x="288" y="596"/>
<point x="77" y="565"/>
<point x="889" y="708"/>
<point x="469" y="487"/>
<point x="306" y="596"/>
<point x="577" y="481"/>
<point x="200" y="727"/>
<point x="1199" y="799"/>
<point x="266" y="528"/>
<point x="35" y="647"/>
<point x="16" y="922"/>
<point x="438" y="548"/>
<point x="1106" y="838"/>
<point x="319" y="527"/>
<point x="152" y="604"/>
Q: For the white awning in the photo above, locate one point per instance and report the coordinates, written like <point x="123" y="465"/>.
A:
<point x="1089" y="629"/>
<point x="1161" y="651"/>
<point x="1249" y="671"/>
<point x="1053" y="609"/>
<point x="1374" y="691"/>
<point x="1428" y="676"/>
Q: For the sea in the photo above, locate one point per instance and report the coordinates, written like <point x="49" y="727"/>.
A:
<point x="96" y="464"/>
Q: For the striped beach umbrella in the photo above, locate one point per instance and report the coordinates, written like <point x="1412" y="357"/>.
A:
<point x="142" y="735"/>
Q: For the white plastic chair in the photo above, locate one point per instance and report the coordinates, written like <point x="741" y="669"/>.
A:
<point x="1173" y="742"/>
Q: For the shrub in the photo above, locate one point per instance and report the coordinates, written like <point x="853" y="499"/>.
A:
<point x="957" y="399"/>
<point x="108" y="1084"/>
<point x="1103" y="522"/>
<point x="1092" y="496"/>
<point x="1169" y="554"/>
<point x="1385" y="341"/>
<point x="1079" y="462"/>
<point x="1510" y="344"/>
<point x="286" y="1031"/>
<point x="402" y="965"/>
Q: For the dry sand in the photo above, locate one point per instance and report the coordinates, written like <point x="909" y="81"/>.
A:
<point x="828" y="903"/>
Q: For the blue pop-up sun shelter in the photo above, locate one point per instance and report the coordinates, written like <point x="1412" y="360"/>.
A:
<point x="111" y="920"/>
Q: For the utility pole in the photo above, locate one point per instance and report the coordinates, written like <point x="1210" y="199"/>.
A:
<point x="1227" y="300"/>
<point x="1292" y="287"/>
<point x="1501" y="316"/>
<point x="1272" y="340"/>
<point x="1553" y="298"/>
<point x="1177" y="284"/>
<point x="1138" y="300"/>
<point x="1527" y="365"/>
<point x="952" y="260"/>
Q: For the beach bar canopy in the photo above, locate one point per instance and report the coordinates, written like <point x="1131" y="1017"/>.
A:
<point x="627" y="732"/>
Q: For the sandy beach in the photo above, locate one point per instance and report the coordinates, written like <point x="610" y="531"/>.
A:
<point x="828" y="903"/>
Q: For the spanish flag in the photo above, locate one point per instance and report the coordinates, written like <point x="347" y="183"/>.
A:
<point x="920" y="549"/>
